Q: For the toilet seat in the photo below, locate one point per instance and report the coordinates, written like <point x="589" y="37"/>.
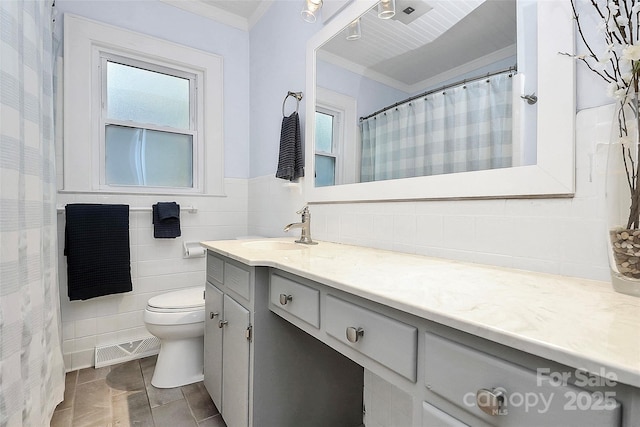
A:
<point x="169" y="318"/>
<point x="182" y="301"/>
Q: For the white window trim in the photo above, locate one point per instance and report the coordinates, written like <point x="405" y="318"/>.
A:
<point x="84" y="39"/>
<point x="346" y="154"/>
<point x="337" y="143"/>
<point x="101" y="57"/>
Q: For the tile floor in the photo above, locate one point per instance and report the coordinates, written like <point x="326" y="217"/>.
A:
<point x="122" y="395"/>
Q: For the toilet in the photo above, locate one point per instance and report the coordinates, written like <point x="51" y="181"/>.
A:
<point x="177" y="319"/>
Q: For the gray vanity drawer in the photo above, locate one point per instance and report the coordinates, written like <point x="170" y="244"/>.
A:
<point x="237" y="279"/>
<point x="456" y="372"/>
<point x="215" y="267"/>
<point x="389" y="342"/>
<point x="303" y="304"/>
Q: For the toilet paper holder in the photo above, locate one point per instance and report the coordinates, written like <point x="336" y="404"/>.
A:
<point x="192" y="250"/>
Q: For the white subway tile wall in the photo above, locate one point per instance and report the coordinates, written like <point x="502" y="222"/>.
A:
<point x="157" y="266"/>
<point x="563" y="236"/>
<point x="273" y="203"/>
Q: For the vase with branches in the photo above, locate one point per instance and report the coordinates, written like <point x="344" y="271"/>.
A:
<point x="613" y="54"/>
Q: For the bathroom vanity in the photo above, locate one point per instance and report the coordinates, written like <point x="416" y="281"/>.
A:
<point x="261" y="372"/>
<point x="470" y="345"/>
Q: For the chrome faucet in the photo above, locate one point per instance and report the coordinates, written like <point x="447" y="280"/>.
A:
<point x="305" y="226"/>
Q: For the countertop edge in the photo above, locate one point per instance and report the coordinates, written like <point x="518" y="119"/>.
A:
<point x="535" y="347"/>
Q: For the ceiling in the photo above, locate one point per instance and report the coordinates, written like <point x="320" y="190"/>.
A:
<point x="450" y="35"/>
<point x="242" y="14"/>
<point x="243" y="8"/>
<point x="454" y="33"/>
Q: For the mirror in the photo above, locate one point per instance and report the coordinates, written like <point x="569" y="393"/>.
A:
<point x="348" y="80"/>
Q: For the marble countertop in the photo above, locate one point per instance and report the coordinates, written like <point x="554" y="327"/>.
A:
<point x="577" y="322"/>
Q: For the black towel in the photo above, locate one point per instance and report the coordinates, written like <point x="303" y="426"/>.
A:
<point x="166" y="220"/>
<point x="290" y="160"/>
<point x="96" y="244"/>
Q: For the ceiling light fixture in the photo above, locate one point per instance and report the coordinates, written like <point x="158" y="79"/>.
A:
<point x="311" y="7"/>
<point x="386" y="9"/>
<point x="353" y="30"/>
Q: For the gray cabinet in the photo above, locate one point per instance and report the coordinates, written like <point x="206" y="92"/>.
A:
<point x="235" y="363"/>
<point x="213" y="343"/>
<point x="453" y="378"/>
<point x="501" y="393"/>
<point x="263" y="372"/>
<point x="389" y="342"/>
<point x="227" y="356"/>
<point x="432" y="416"/>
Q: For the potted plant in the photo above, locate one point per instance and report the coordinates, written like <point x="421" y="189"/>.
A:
<point x="615" y="57"/>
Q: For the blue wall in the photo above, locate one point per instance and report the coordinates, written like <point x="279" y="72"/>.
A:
<point x="278" y="55"/>
<point x="167" y="22"/>
<point x="260" y="67"/>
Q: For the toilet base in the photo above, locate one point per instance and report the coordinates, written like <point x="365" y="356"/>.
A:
<point x="180" y="362"/>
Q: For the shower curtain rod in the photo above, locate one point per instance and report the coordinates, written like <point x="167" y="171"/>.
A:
<point x="513" y="69"/>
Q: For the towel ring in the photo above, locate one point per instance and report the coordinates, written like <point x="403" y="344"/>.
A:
<point x="296" y="95"/>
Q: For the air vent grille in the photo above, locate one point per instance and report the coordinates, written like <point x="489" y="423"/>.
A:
<point x="118" y="353"/>
<point x="408" y="11"/>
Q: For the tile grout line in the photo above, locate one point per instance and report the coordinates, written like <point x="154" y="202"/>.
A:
<point x="73" y="400"/>
<point x="146" y="392"/>
<point x="184" y="396"/>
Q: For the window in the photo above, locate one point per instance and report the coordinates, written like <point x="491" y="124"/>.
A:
<point x="134" y="113"/>
<point x="336" y="132"/>
<point x="148" y="127"/>
<point x="327" y="138"/>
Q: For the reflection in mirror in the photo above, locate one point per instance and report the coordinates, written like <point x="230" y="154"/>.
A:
<point x="546" y="159"/>
<point x="434" y="91"/>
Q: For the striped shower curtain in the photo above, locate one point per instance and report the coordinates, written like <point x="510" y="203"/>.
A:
<point x="31" y="364"/>
<point x="465" y="128"/>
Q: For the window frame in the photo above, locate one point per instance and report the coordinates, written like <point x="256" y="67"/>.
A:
<point x="344" y="107"/>
<point x="85" y="42"/>
<point x="195" y="127"/>
<point x="336" y="143"/>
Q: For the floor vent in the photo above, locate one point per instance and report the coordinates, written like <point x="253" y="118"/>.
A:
<point x="118" y="353"/>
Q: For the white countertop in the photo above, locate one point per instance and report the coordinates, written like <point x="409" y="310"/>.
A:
<point x="577" y="322"/>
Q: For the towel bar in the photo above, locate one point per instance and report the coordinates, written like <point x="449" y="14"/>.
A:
<point x="296" y="95"/>
<point x="191" y="209"/>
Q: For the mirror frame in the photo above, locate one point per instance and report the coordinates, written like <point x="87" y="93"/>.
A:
<point x="552" y="176"/>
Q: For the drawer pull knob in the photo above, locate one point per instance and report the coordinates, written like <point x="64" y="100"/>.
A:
<point x="284" y="299"/>
<point x="354" y="334"/>
<point x="491" y="401"/>
<point x="221" y="323"/>
<point x="212" y="315"/>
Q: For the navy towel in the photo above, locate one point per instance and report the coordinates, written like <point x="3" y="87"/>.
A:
<point x="166" y="220"/>
<point x="290" y="160"/>
<point x="96" y="244"/>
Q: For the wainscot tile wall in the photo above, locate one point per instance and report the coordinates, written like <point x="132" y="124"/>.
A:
<point x="157" y="266"/>
<point x="563" y="236"/>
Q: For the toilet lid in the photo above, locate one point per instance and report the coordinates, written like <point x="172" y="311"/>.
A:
<point x="179" y="300"/>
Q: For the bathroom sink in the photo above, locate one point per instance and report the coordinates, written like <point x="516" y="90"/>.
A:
<point x="274" y="246"/>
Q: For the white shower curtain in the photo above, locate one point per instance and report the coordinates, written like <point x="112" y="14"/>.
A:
<point x="31" y="364"/>
<point x="465" y="128"/>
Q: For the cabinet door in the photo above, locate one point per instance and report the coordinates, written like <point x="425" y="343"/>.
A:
<point x="432" y="416"/>
<point x="235" y="365"/>
<point x="213" y="344"/>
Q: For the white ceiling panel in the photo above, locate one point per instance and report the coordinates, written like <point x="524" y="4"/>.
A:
<point x="449" y="35"/>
